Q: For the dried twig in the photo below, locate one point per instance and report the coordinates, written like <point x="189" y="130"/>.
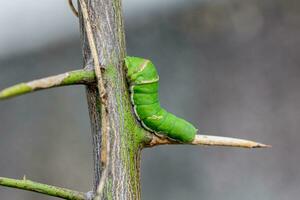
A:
<point x="103" y="96"/>
<point x="74" y="11"/>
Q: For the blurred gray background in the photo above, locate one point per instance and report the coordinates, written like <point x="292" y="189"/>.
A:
<point x="229" y="66"/>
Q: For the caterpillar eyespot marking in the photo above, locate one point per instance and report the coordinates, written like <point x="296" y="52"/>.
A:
<point x="143" y="83"/>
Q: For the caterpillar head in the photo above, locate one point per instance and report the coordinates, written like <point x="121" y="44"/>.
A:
<point x="140" y="70"/>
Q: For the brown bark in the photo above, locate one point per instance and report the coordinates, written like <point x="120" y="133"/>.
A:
<point x="126" y="137"/>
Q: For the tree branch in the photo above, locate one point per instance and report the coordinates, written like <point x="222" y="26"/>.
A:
<point x="103" y="95"/>
<point x="209" y="140"/>
<point x="43" y="189"/>
<point x="88" y="77"/>
<point x="68" y="78"/>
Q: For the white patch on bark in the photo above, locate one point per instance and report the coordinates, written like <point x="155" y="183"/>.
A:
<point x="48" y="82"/>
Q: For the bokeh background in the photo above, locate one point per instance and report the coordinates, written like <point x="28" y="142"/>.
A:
<point x="231" y="67"/>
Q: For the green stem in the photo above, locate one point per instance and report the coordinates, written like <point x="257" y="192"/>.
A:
<point x="68" y="78"/>
<point x="43" y="188"/>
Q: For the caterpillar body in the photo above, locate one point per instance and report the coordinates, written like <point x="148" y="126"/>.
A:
<point x="143" y="82"/>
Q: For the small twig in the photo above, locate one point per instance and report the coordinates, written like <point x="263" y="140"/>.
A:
<point x="43" y="188"/>
<point x="75" y="12"/>
<point x="209" y="140"/>
<point x="68" y="78"/>
<point x="105" y="143"/>
<point x="93" y="49"/>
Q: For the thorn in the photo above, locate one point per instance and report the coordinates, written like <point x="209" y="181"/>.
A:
<point x="69" y="78"/>
<point x="226" y="141"/>
<point x="211" y="140"/>
<point x="260" y="145"/>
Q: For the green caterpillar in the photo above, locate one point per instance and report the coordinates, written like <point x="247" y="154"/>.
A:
<point x="143" y="81"/>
